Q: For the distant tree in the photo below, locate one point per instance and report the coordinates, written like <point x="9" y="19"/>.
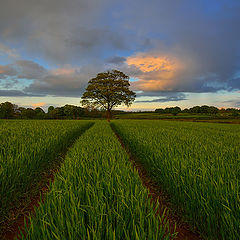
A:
<point x="160" y="110"/>
<point x="185" y="110"/>
<point x="204" y="109"/>
<point x="73" y="112"/>
<point x="235" y="113"/>
<point x="50" y="108"/>
<point x="7" y="110"/>
<point x="92" y="112"/>
<point x="57" y="113"/>
<point x="19" y="112"/>
<point x="69" y="111"/>
<point x="107" y="90"/>
<point x="39" y="113"/>
<point x="78" y="112"/>
<point x="175" y="110"/>
<point x="195" y="109"/>
<point x="49" y="114"/>
<point x="28" y="113"/>
<point x="213" y="110"/>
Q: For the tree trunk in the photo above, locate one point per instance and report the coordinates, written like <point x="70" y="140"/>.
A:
<point x="108" y="115"/>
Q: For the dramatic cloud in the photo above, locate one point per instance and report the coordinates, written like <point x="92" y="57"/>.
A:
<point x="66" y="81"/>
<point x="206" y="34"/>
<point x="30" y="70"/>
<point x="7" y="70"/>
<point x="59" y="31"/>
<point x="116" y="60"/>
<point x="4" y="50"/>
<point x="173" y="47"/>
<point x="157" y="72"/>
<point x="176" y="71"/>
<point x="16" y="93"/>
<point x="165" y="97"/>
<point x="22" y="69"/>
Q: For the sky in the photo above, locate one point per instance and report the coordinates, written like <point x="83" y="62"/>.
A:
<point x="176" y="52"/>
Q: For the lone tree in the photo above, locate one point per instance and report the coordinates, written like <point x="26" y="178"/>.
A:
<point x="107" y="90"/>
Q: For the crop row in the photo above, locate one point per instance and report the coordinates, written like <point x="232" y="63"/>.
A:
<point x="28" y="149"/>
<point x="97" y="195"/>
<point x="197" y="164"/>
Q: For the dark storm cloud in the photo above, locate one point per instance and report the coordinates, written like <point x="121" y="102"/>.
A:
<point x="66" y="82"/>
<point x="7" y="70"/>
<point x="89" y="39"/>
<point x="234" y="83"/>
<point x="16" y="93"/>
<point x="5" y="50"/>
<point x="60" y="31"/>
<point x="66" y="86"/>
<point x="116" y="60"/>
<point x="30" y="69"/>
<point x="165" y="97"/>
<point x="22" y="69"/>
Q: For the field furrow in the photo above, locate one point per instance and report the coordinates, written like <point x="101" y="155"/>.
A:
<point x="181" y="229"/>
<point x="197" y="165"/>
<point x="29" y="150"/>
<point x="97" y="195"/>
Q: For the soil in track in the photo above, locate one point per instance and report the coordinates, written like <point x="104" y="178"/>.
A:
<point x="176" y="223"/>
<point x="18" y="217"/>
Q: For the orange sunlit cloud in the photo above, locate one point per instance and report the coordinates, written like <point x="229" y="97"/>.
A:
<point x="158" y="72"/>
<point x="151" y="63"/>
<point x="40" y="104"/>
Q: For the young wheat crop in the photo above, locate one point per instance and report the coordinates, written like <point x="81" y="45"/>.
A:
<point x="198" y="164"/>
<point x="96" y="195"/>
<point x="28" y="149"/>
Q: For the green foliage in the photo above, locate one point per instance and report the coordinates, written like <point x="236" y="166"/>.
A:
<point x="65" y="112"/>
<point x="173" y="110"/>
<point x="7" y="110"/>
<point x="50" y="108"/>
<point x="198" y="164"/>
<point x="196" y="109"/>
<point x="107" y="90"/>
<point x="27" y="150"/>
<point x="97" y="195"/>
<point x="203" y="109"/>
<point x="39" y="113"/>
<point x="235" y="113"/>
<point x="73" y="112"/>
<point x="28" y="113"/>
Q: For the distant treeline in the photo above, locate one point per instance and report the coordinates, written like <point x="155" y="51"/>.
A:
<point x="198" y="109"/>
<point x="12" y="111"/>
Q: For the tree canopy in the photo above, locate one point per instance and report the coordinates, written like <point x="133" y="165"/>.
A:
<point x="7" y="110"/>
<point x="107" y="90"/>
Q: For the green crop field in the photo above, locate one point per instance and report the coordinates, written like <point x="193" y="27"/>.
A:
<point x="96" y="195"/>
<point x="198" y="164"/>
<point x="96" y="192"/>
<point x="153" y="115"/>
<point x="27" y="150"/>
